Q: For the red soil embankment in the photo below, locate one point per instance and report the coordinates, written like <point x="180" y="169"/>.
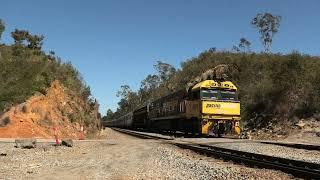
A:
<point x="37" y="117"/>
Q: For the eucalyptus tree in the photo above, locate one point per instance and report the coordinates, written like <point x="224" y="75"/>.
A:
<point x="267" y="25"/>
<point x="2" y="27"/>
<point x="244" y="45"/>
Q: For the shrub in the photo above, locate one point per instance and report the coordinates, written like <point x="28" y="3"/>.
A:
<point x="271" y="86"/>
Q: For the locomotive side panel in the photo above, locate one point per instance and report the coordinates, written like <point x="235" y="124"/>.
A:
<point x="167" y="113"/>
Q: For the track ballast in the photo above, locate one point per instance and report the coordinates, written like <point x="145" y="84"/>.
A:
<point x="302" y="169"/>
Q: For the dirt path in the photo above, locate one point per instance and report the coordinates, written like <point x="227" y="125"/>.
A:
<point x="119" y="157"/>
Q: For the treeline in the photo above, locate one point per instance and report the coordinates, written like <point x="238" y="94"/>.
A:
<point x="272" y="87"/>
<point x="25" y="69"/>
<point x="152" y="87"/>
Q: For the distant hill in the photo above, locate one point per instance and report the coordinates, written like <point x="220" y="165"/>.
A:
<point x="271" y="86"/>
<point x="276" y="90"/>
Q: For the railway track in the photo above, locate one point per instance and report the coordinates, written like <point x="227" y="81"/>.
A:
<point x="297" y="168"/>
<point x="143" y="134"/>
<point x="294" y="145"/>
<point x="301" y="169"/>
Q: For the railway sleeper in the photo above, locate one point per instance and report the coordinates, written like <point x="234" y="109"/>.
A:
<point x="297" y="168"/>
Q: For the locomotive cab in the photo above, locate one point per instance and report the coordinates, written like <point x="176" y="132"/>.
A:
<point x="216" y="106"/>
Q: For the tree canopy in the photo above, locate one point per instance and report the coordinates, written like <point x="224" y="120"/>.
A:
<point x="272" y="86"/>
<point x="2" y="27"/>
<point x="26" y="70"/>
<point x="267" y="25"/>
<point x="23" y="37"/>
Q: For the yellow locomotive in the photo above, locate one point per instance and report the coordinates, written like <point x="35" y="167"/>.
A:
<point x="217" y="107"/>
<point x="209" y="108"/>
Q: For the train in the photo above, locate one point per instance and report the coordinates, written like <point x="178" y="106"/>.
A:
<point x="209" y="108"/>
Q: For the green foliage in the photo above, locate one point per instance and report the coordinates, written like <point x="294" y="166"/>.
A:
<point x="109" y="116"/>
<point x="22" y="76"/>
<point x="244" y="45"/>
<point x="19" y="36"/>
<point x="2" y="27"/>
<point x="268" y="25"/>
<point x="25" y="70"/>
<point x="152" y="87"/>
<point x="148" y="86"/>
<point x="165" y="70"/>
<point x="35" y="41"/>
<point x="73" y="117"/>
<point x="270" y="85"/>
<point x="26" y="39"/>
<point x="129" y="99"/>
<point x="88" y="120"/>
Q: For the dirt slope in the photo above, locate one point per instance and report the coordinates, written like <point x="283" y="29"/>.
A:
<point x="303" y="131"/>
<point x="41" y="113"/>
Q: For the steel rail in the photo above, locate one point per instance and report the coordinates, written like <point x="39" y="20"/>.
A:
<point x="294" y="145"/>
<point x="141" y="134"/>
<point x="302" y="169"/>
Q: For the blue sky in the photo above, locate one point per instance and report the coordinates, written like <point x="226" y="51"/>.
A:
<point x="117" y="42"/>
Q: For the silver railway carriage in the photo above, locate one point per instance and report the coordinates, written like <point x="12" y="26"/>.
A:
<point x="121" y="122"/>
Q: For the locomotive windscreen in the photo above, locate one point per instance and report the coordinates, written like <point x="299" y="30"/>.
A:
<point x="218" y="94"/>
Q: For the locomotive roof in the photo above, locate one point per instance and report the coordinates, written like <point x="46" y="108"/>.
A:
<point x="180" y="92"/>
<point x="210" y="84"/>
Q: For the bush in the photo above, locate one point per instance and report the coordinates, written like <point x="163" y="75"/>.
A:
<point x="271" y="86"/>
<point x="26" y="73"/>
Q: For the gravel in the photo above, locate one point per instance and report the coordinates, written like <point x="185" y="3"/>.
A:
<point x="189" y="165"/>
<point x="119" y="157"/>
<point x="274" y="150"/>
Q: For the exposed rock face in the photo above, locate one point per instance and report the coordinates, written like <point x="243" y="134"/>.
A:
<point x="58" y="108"/>
<point x="25" y="143"/>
